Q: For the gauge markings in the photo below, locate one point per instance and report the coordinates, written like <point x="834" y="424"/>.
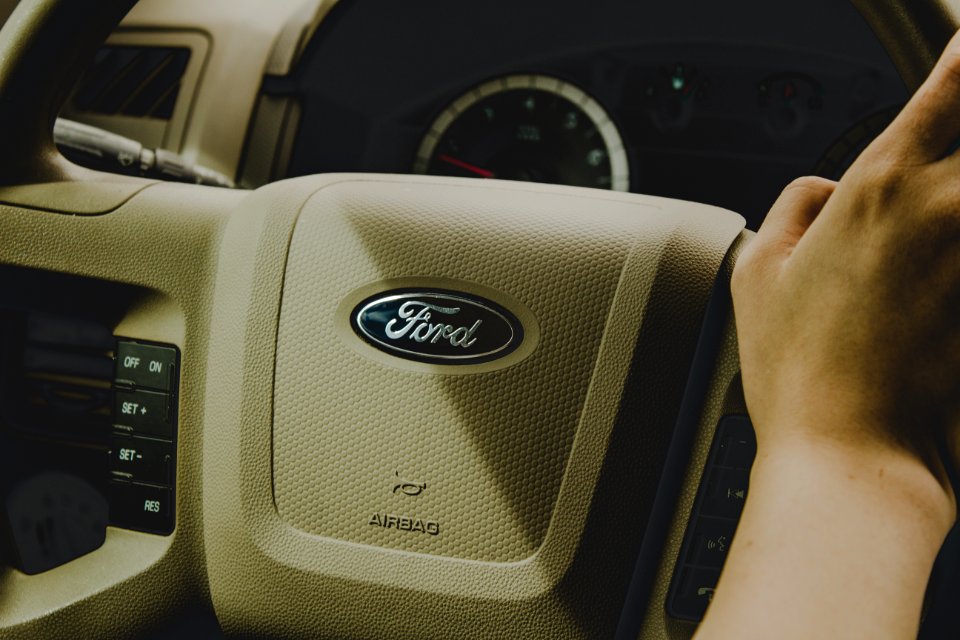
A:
<point x="528" y="128"/>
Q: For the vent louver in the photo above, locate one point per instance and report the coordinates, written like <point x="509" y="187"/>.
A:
<point x="133" y="81"/>
<point x="63" y="386"/>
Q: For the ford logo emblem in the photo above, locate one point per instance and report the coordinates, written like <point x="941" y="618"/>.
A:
<point x="442" y="327"/>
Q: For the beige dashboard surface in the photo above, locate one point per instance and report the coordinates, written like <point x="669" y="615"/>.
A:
<point x="246" y="38"/>
<point x="163" y="240"/>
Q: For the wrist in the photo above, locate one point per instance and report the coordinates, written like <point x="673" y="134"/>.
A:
<point x="905" y="485"/>
<point x="823" y="526"/>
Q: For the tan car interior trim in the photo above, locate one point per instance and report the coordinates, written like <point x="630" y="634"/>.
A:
<point x="155" y="132"/>
<point x="243" y="36"/>
<point x="163" y="241"/>
<point x="453" y="589"/>
<point x="208" y="264"/>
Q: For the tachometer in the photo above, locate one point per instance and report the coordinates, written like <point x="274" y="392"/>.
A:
<point x="532" y="128"/>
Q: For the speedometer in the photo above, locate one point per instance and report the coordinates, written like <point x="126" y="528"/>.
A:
<point x="532" y="128"/>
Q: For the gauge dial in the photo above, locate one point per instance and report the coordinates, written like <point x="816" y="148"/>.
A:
<point x="527" y="127"/>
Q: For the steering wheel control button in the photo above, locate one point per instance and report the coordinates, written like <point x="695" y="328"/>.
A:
<point x="726" y="492"/>
<point x="713" y="522"/>
<point x="141" y="507"/>
<point x="141" y="459"/>
<point x="712" y="542"/>
<point x="738" y="444"/>
<point x="694" y="594"/>
<point x="143" y="412"/>
<point x="145" y="365"/>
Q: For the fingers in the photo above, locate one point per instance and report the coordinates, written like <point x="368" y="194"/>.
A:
<point x="786" y="223"/>
<point x="793" y="213"/>
<point x="929" y="125"/>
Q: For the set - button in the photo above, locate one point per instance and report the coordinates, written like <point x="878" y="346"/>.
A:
<point x="143" y="443"/>
<point x="713" y="522"/>
<point x="143" y="459"/>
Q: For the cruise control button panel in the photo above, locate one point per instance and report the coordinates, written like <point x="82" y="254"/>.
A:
<point x="713" y="521"/>
<point x="142" y="473"/>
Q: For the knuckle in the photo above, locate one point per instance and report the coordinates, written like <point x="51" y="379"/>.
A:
<point x="881" y="183"/>
<point x="809" y="183"/>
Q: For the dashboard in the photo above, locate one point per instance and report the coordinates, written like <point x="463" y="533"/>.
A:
<point x="694" y="101"/>
<point x="717" y="103"/>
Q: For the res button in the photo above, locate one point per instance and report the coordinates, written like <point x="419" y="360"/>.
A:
<point x="141" y="507"/>
<point x="145" y="365"/>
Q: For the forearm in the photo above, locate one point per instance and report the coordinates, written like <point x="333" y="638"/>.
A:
<point x="831" y="543"/>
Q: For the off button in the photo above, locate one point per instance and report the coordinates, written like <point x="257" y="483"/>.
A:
<point x="146" y="365"/>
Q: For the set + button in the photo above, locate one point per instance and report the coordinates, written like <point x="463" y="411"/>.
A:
<point x="143" y="412"/>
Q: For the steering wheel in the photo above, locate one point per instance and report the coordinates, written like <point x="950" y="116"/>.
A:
<point x="409" y="406"/>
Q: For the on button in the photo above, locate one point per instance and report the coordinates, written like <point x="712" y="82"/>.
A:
<point x="145" y="365"/>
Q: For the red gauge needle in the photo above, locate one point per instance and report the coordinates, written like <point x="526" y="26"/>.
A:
<point x="472" y="168"/>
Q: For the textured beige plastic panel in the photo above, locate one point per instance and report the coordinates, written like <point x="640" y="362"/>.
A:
<point x="76" y="198"/>
<point x="164" y="239"/>
<point x="296" y="35"/>
<point x="724" y="397"/>
<point x="242" y="36"/>
<point x="491" y="447"/>
<point x="154" y="132"/>
<point x="514" y="455"/>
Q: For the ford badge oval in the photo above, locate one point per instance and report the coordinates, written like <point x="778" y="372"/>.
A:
<point x="442" y="327"/>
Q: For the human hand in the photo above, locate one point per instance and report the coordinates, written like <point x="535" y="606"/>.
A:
<point x="847" y="308"/>
<point x="847" y="302"/>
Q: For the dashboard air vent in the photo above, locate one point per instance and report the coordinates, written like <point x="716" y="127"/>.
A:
<point x="141" y="82"/>
<point x="58" y="378"/>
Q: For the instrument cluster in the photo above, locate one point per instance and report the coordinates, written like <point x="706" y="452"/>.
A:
<point x="713" y="105"/>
